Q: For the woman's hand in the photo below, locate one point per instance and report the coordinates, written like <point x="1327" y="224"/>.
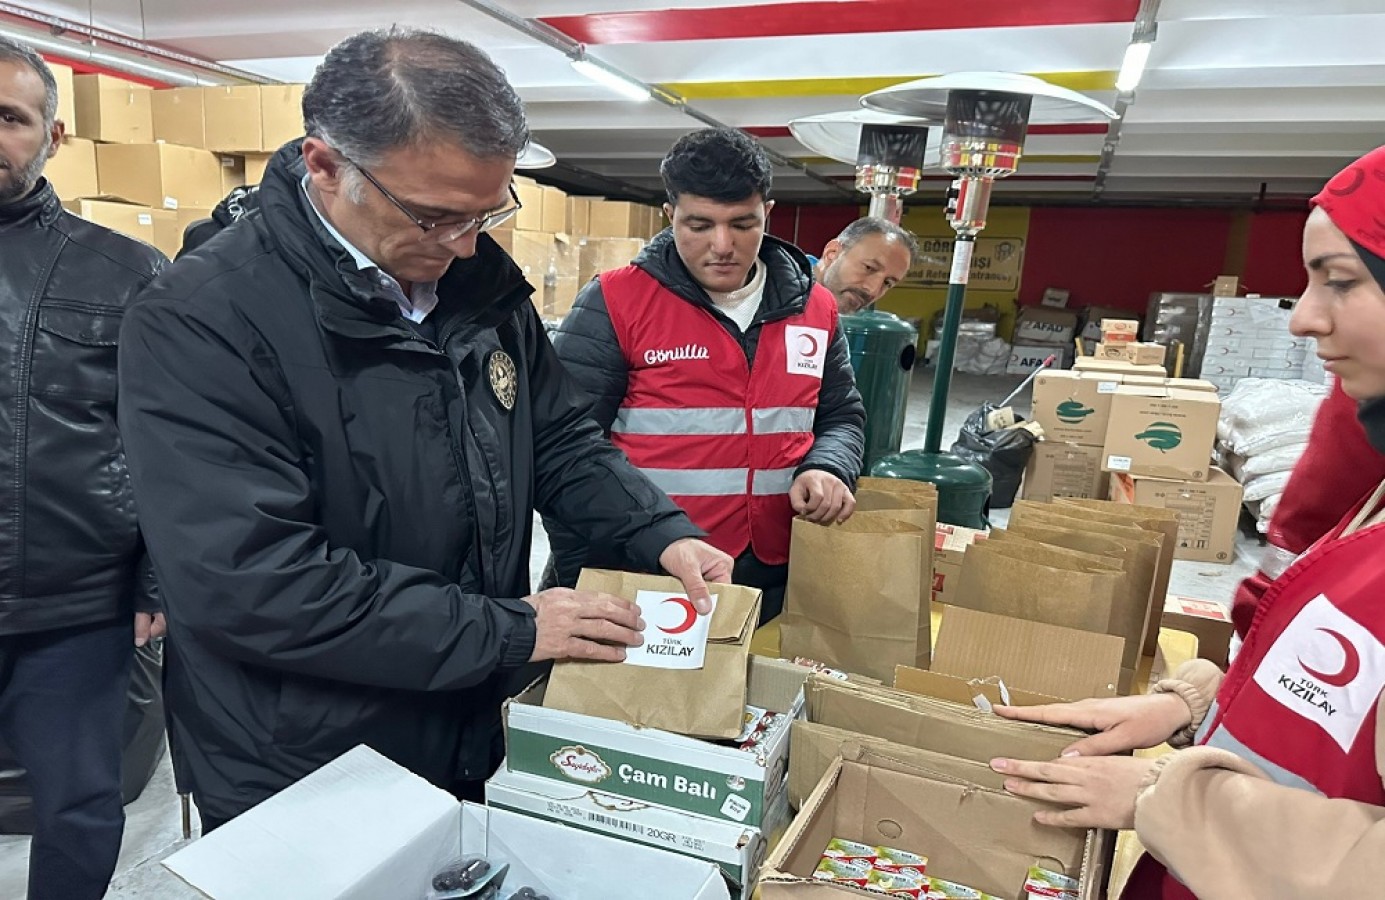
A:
<point x="1099" y="791"/>
<point x="1123" y="723"/>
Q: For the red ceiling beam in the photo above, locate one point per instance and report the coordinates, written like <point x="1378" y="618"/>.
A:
<point x="827" y="17"/>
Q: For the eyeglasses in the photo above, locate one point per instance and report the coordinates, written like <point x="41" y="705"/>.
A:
<point x="442" y="230"/>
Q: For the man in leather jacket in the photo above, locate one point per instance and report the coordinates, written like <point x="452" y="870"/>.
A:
<point x="341" y="413"/>
<point x="72" y="566"/>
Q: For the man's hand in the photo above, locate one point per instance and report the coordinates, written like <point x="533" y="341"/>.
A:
<point x="821" y="497"/>
<point x="1123" y="723"/>
<point x="1100" y="790"/>
<point x="695" y="563"/>
<point x="149" y="626"/>
<point x="583" y="625"/>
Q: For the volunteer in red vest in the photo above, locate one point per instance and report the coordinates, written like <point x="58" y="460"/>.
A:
<point x="715" y="362"/>
<point x="1282" y="795"/>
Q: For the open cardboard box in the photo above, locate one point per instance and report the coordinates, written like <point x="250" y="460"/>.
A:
<point x="838" y="714"/>
<point x="974" y="835"/>
<point x="653" y="766"/>
<point x="362" y="828"/>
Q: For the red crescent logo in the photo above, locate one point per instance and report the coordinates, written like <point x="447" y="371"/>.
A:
<point x="1358" y="176"/>
<point x="810" y="342"/>
<point x="1351" y="665"/>
<point x="691" y="612"/>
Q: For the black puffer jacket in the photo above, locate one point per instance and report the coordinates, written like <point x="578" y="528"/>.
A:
<point x="341" y="510"/>
<point x="589" y="348"/>
<point x="70" y="548"/>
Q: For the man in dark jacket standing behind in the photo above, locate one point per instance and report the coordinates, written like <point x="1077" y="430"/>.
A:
<point x="72" y="565"/>
<point x="716" y="364"/>
<point x="341" y="413"/>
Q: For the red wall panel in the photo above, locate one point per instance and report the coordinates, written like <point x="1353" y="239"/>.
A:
<point x="811" y="227"/>
<point x="1274" y="264"/>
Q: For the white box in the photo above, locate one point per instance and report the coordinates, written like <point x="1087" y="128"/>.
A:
<point x="736" y="849"/>
<point x="363" y="828"/>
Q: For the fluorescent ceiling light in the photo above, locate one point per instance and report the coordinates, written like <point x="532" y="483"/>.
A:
<point x="1133" y="66"/>
<point x="118" y="62"/>
<point x="626" y="87"/>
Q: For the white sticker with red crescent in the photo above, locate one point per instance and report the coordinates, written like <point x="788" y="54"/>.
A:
<point x="675" y="636"/>
<point x="805" y="350"/>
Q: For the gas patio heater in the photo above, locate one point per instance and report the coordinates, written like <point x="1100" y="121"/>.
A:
<point x="535" y="156"/>
<point x="985" y="117"/>
<point x="888" y="152"/>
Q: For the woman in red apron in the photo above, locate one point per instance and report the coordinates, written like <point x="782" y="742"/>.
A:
<point x="1278" y="791"/>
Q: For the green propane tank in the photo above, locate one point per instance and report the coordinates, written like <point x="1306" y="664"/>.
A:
<point x="964" y="488"/>
<point x="882" y="355"/>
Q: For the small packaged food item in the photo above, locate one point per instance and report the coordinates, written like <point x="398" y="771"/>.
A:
<point x="819" y="667"/>
<point x="892" y="857"/>
<point x="468" y="876"/>
<point x="895" y="884"/>
<point x="1043" y="884"/>
<point x="751" y="722"/>
<point x="849" y="850"/>
<point x="851" y="871"/>
<point x="939" y="889"/>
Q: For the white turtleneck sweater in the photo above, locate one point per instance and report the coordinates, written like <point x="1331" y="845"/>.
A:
<point x="741" y="305"/>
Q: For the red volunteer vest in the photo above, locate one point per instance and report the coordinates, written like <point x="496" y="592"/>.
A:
<point x="721" y="439"/>
<point x="1300" y="700"/>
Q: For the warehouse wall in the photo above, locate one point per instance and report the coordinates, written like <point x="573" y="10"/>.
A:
<point x="1112" y="257"/>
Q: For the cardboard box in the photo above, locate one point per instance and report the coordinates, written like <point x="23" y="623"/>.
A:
<point x="232" y="118"/>
<point x="1208" y="511"/>
<point x="1210" y="622"/>
<point x="67" y="96"/>
<point x="138" y="222"/>
<point x="281" y="115"/>
<point x="1161" y="433"/>
<point x="530" y="215"/>
<point x="168" y="233"/>
<point x="179" y="117"/>
<point x="1074" y="406"/>
<point x="1115" y="367"/>
<point x="652" y="766"/>
<point x="617" y="219"/>
<point x="159" y="175"/>
<point x="604" y="254"/>
<point x="1137" y="353"/>
<point x="559" y="296"/>
<point x="1055" y="297"/>
<point x="532" y="251"/>
<point x="1045" y="325"/>
<point x="1025" y="358"/>
<point x="553" y="210"/>
<point x="362" y="828"/>
<point x="1226" y="286"/>
<point x="186" y="215"/>
<point x="949" y="549"/>
<point x="1091" y="320"/>
<point x="735" y="849"/>
<point x="254" y="165"/>
<point x="1191" y="384"/>
<point x="113" y="109"/>
<point x="1059" y="469"/>
<point x="72" y="171"/>
<point x="979" y="836"/>
<point x="578" y="221"/>
<point x="1117" y="331"/>
<point x="232" y="172"/>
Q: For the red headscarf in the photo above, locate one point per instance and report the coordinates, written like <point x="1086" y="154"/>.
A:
<point x="1355" y="202"/>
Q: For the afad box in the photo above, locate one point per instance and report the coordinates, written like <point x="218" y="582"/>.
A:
<point x="653" y="766"/>
<point x="1074" y="406"/>
<point x="736" y="849"/>
<point x="1161" y="433"/>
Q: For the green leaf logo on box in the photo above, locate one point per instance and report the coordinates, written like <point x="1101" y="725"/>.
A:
<point x="1162" y="436"/>
<point x="1072" y="412"/>
<point x="580" y="764"/>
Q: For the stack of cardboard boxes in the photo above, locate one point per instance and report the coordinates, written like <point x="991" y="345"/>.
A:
<point x="147" y="163"/>
<point x="1041" y="332"/>
<point x="561" y="242"/>
<point x="1249" y="338"/>
<point x="1120" y="342"/>
<point x="1114" y="431"/>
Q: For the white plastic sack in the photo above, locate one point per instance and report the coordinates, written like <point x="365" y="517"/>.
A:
<point x="1263" y="414"/>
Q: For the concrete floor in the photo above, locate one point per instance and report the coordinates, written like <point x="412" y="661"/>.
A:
<point x="153" y="821"/>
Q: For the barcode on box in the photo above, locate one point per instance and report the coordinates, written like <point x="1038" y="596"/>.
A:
<point x="622" y="824"/>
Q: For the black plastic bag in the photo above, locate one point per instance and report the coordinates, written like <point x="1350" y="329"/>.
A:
<point x="1002" y="453"/>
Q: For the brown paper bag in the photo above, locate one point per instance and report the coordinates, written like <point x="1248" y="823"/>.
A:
<point x="707" y="702"/>
<point x="858" y="592"/>
<point x="1029" y="580"/>
<point x="1163" y="522"/>
<point x="1136" y="551"/>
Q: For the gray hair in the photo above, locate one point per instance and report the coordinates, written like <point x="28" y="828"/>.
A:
<point x="15" y="51"/>
<point x="377" y="91"/>
<point x="868" y="225"/>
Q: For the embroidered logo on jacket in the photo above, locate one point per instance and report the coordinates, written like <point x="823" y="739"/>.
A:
<point x="1327" y="668"/>
<point x="806" y="350"/>
<point x="675" y="354"/>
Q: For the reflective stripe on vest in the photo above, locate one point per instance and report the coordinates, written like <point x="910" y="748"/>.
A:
<point x="768" y="482"/>
<point x="713" y="420"/>
<point x="699" y="482"/>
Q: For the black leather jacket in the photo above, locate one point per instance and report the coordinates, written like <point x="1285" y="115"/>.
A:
<point x="70" y="548"/>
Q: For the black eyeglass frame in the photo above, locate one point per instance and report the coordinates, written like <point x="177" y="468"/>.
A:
<point x="480" y="223"/>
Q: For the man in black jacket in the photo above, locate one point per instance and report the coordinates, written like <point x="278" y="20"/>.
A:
<point x="341" y="413"/>
<point x="72" y="566"/>
<point x="716" y="364"/>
